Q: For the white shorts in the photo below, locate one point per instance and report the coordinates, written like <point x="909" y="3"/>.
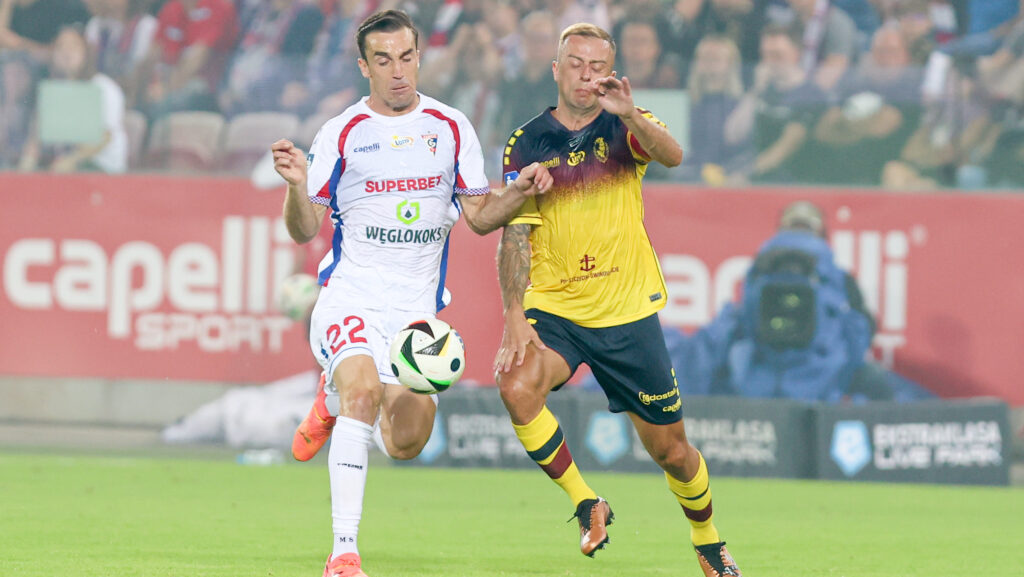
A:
<point x="339" y="330"/>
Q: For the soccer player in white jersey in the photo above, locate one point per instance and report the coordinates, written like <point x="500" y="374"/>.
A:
<point x="395" y="171"/>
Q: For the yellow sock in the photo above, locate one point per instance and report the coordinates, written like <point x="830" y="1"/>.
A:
<point x="695" y="497"/>
<point x="544" y="442"/>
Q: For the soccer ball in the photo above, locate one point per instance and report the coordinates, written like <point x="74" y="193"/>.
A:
<point x="428" y="356"/>
<point x="297" y="295"/>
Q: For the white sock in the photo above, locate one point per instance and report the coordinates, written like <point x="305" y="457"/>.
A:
<point x="347" y="463"/>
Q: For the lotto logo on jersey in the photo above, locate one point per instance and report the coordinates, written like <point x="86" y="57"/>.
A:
<point x="403" y="184"/>
<point x="510" y="177"/>
<point x="400" y="142"/>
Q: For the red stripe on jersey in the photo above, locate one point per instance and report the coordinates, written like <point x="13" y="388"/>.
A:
<point x="325" y="191"/>
<point x="452" y="124"/>
<point x="635" y="144"/>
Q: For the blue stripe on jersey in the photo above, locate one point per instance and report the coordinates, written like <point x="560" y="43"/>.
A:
<point x="325" y="274"/>
<point x="444" y="273"/>
<point x="455" y="182"/>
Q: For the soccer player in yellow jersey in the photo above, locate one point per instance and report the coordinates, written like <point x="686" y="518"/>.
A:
<point x="581" y="284"/>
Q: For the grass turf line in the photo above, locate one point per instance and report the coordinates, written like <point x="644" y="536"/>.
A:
<point x="153" y="517"/>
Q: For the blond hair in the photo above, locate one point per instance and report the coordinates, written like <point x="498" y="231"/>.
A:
<point x="588" y="30"/>
<point x="734" y="84"/>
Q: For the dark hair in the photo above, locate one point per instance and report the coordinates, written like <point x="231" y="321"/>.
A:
<point x="792" y="31"/>
<point x="385" y="21"/>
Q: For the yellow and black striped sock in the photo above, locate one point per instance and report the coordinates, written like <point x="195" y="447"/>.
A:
<point x="544" y="442"/>
<point x="695" y="497"/>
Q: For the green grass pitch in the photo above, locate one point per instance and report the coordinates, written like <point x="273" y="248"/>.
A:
<point x="184" y="517"/>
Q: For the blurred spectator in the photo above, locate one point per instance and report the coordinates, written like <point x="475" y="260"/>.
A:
<point x="917" y="26"/>
<point x="641" y="58"/>
<point x="120" y="36"/>
<point x="739" y="20"/>
<point x="830" y="43"/>
<point x="801" y="330"/>
<point x="31" y="26"/>
<point x="270" y="62"/>
<point x="954" y="130"/>
<point x="864" y="15"/>
<point x="503" y="21"/>
<point x="27" y="31"/>
<point x="988" y="22"/>
<point x="186" y="64"/>
<point x="70" y="61"/>
<point x="333" y="81"/>
<point x="533" y="88"/>
<point x="780" y="110"/>
<point x="879" y="106"/>
<point x="569" y="12"/>
<point x="1002" y="73"/>
<point x="715" y="88"/>
<point x="466" y="76"/>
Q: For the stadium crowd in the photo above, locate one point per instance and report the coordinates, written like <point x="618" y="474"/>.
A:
<point x="903" y="94"/>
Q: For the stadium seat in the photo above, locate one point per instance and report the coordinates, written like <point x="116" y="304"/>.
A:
<point x="307" y="130"/>
<point x="185" y="141"/>
<point x="135" y="125"/>
<point x="249" y="136"/>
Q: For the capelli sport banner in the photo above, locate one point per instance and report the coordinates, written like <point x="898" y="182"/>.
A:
<point x="165" y="277"/>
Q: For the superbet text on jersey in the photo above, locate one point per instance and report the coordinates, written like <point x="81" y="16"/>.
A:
<point x="389" y="183"/>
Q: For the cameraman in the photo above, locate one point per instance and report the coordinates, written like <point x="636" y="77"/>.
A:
<point x="801" y="330"/>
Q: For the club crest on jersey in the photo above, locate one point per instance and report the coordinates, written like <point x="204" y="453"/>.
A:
<point x="309" y="160"/>
<point x="601" y="150"/>
<point x="510" y="177"/>
<point x="431" y="140"/>
<point x="400" y="142"/>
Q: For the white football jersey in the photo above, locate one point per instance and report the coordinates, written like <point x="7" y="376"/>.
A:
<point x="389" y="183"/>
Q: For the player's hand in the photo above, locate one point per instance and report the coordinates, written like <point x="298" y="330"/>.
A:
<point x="533" y="180"/>
<point x="614" y="95"/>
<point x="518" y="335"/>
<point x="289" y="162"/>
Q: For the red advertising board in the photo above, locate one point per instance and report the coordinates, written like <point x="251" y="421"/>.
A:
<point x="144" y="277"/>
<point x="160" y="277"/>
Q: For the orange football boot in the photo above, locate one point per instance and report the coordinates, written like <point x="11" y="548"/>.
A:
<point x="316" y="428"/>
<point x="594" y="516"/>
<point x="346" y="565"/>
<point x="716" y="561"/>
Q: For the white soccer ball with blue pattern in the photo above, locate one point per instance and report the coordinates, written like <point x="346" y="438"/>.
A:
<point x="428" y="356"/>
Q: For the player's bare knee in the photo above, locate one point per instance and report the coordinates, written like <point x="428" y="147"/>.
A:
<point x="360" y="401"/>
<point x="671" y="454"/>
<point x="519" y="395"/>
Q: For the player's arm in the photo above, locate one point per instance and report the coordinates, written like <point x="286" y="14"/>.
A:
<point x="789" y="142"/>
<point x="616" y="96"/>
<point x="514" y="277"/>
<point x="301" y="217"/>
<point x="487" y="212"/>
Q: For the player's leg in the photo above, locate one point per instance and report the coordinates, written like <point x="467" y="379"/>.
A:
<point x="406" y="421"/>
<point x="359" y="395"/>
<point x="687" y="476"/>
<point x="632" y="365"/>
<point x="346" y="342"/>
<point x="524" y="391"/>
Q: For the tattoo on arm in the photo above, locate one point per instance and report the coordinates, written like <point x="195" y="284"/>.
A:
<point x="514" y="263"/>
